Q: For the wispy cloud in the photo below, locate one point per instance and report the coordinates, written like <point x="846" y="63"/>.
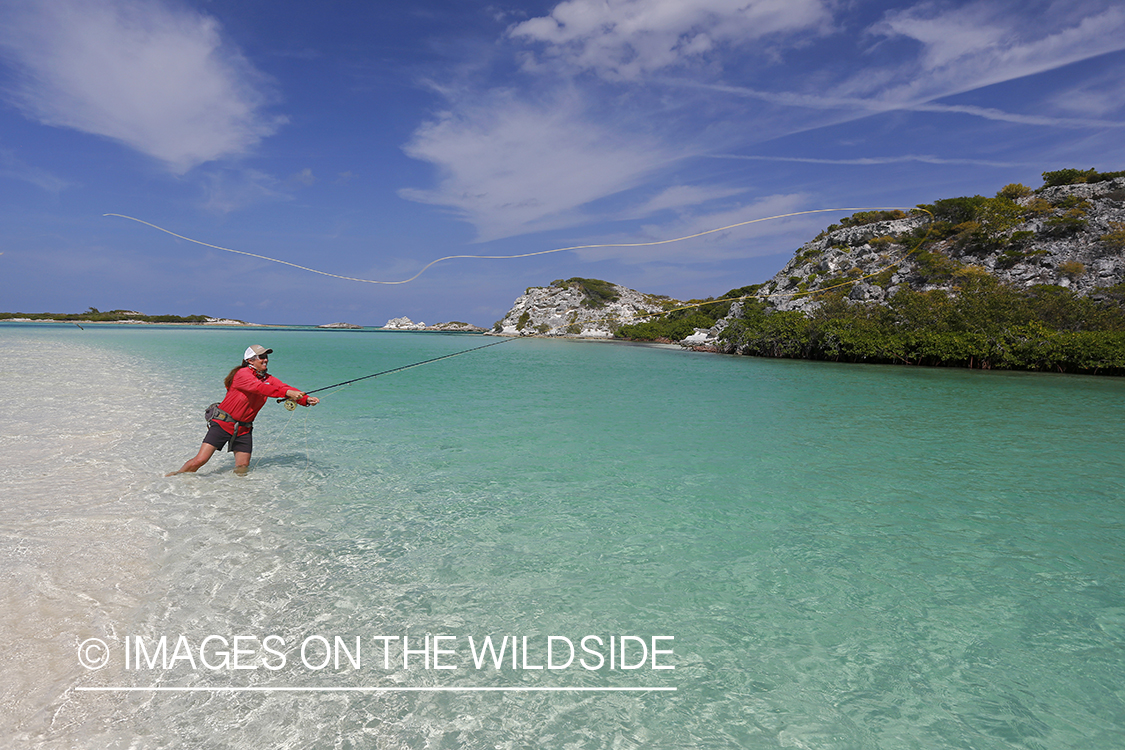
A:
<point x="854" y="106"/>
<point x="305" y="177"/>
<point x="679" y="197"/>
<point x="625" y="39"/>
<point x="646" y="85"/>
<point x="159" y="78"/>
<point x="739" y="241"/>
<point x="984" y="43"/>
<point x="1095" y="97"/>
<point x="227" y="190"/>
<point x="518" y="160"/>
<point x="871" y="161"/>
<point x="510" y="166"/>
<point x="13" y="167"/>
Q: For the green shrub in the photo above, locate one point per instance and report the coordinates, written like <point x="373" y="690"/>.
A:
<point x="1072" y="269"/>
<point x="870" y="217"/>
<point x="1071" y="222"/>
<point x="1115" y="237"/>
<point x="826" y="231"/>
<point x="1067" y="177"/>
<point x="986" y="324"/>
<point x="934" y="266"/>
<point x="998" y="216"/>
<point x="681" y="323"/>
<point x="955" y="210"/>
<point x="1014" y="191"/>
<point x="1077" y="177"/>
<point x="1016" y="254"/>
<point x="1106" y="176"/>
<point x="598" y="293"/>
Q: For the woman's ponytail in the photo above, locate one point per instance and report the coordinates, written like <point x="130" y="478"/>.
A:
<point x="230" y="375"/>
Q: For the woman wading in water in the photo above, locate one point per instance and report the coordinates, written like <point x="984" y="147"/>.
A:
<point x="248" y="386"/>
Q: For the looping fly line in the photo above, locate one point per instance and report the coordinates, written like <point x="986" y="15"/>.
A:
<point x="499" y="257"/>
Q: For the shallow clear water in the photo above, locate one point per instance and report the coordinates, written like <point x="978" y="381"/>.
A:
<point x="846" y="556"/>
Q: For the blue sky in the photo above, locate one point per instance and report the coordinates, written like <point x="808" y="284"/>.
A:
<point x="366" y="139"/>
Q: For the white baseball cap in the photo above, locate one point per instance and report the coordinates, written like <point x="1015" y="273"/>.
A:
<point x="256" y="351"/>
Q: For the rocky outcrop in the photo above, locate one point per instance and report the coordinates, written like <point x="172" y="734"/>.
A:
<point x="456" y="325"/>
<point x="347" y="326"/>
<point x="403" y="324"/>
<point x="1070" y="236"/>
<point x="580" y="308"/>
<point x="1057" y="238"/>
<point x="406" y="324"/>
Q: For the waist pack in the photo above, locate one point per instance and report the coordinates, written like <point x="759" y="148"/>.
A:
<point x="213" y="412"/>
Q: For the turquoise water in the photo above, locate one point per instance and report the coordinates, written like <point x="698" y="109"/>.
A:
<point x="845" y="556"/>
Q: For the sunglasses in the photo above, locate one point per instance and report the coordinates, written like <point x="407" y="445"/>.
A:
<point x="263" y="357"/>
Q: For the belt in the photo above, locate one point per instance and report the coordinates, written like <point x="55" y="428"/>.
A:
<point x="218" y="414"/>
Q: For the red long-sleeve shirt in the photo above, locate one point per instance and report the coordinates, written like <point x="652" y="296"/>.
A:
<point x="247" y="395"/>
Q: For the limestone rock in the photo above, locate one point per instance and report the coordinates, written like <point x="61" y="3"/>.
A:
<point x="404" y="324"/>
<point x="456" y="325"/>
<point x="1059" y="245"/>
<point x="580" y="308"/>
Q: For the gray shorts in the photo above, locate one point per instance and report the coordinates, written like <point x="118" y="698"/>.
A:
<point x="218" y="437"/>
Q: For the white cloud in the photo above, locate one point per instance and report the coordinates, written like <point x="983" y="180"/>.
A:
<point x="304" y="177"/>
<point x="682" y="196"/>
<point x="855" y="106"/>
<point x="624" y="39"/>
<point x="157" y="78"/>
<point x="513" y="162"/>
<point x="984" y="43"/>
<point x="511" y="167"/>
<point x="873" y="160"/>
<point x="1096" y="97"/>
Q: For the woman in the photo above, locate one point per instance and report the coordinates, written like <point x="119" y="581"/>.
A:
<point x="248" y="386"/>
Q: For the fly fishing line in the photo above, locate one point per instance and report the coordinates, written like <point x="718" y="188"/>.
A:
<point x="432" y="263"/>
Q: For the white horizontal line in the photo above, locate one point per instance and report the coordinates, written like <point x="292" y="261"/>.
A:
<point x="375" y="689"/>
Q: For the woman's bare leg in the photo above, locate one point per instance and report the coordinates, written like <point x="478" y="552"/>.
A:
<point x="205" y="452"/>
<point x="241" y="462"/>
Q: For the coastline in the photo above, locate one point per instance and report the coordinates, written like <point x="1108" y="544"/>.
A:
<point x="594" y="340"/>
<point x="218" y="322"/>
<point x="80" y="545"/>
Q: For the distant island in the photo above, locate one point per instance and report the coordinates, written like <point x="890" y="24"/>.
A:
<point x="1028" y="280"/>
<point x="94" y="315"/>
<point x="406" y="324"/>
